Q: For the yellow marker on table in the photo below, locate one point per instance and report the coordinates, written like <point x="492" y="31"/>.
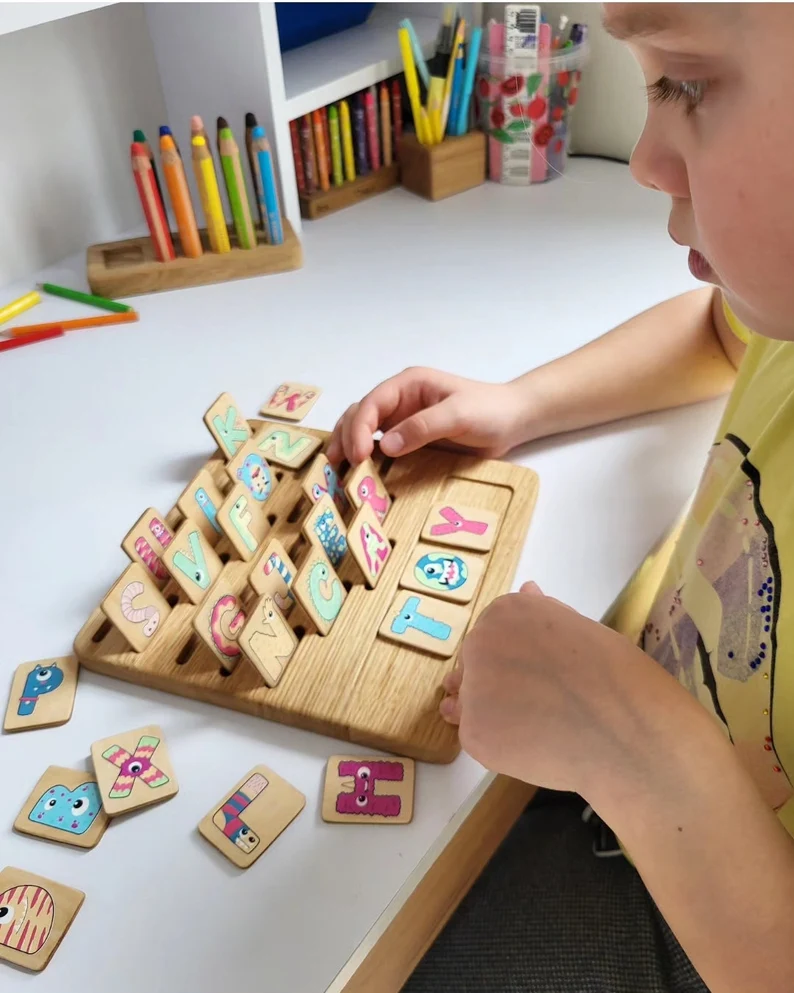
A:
<point x="19" y="306"/>
<point x="347" y="141"/>
<point x="210" y="196"/>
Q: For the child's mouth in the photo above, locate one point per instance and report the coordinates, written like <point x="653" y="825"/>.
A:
<point x="700" y="268"/>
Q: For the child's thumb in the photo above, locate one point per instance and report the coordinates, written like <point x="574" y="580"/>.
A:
<point x="428" y="425"/>
<point x="531" y="587"/>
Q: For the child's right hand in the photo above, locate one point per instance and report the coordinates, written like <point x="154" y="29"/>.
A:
<point x="420" y="406"/>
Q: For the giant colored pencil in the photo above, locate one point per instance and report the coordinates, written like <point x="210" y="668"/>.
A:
<point x="210" y="195"/>
<point x="8" y="343"/>
<point x="235" y="187"/>
<point x="272" y="211"/>
<point x="91" y="299"/>
<point x="347" y="141"/>
<point x="250" y="124"/>
<point x="152" y="204"/>
<point x="319" y="145"/>
<point x="336" y="146"/>
<point x="178" y="191"/>
<point x="77" y="324"/>
<point x="19" y="306"/>
<point x="140" y="137"/>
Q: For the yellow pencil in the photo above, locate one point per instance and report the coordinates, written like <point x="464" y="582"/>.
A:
<point x="412" y="85"/>
<point x="347" y="141"/>
<point x="460" y="36"/>
<point x="435" y="100"/>
<point x="19" y="306"/>
<point x="210" y="195"/>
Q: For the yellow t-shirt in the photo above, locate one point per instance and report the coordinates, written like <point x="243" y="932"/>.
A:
<point x="723" y="618"/>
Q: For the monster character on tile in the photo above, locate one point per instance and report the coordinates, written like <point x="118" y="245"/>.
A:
<point x="73" y="811"/>
<point x="39" y="681"/>
<point x="138" y="766"/>
<point x="734" y="572"/>
<point x="363" y="799"/>
<point x="439" y="571"/>
<point x="26" y="918"/>
<point x="229" y="819"/>
<point x="376" y="548"/>
<point x="255" y="474"/>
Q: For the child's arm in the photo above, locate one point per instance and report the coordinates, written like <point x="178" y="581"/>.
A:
<point x="678" y="352"/>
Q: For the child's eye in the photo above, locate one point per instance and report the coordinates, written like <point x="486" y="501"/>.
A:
<point x="666" y="90"/>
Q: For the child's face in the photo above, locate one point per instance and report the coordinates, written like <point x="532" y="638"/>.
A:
<point x="719" y="139"/>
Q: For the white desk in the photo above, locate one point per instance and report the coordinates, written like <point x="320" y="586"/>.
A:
<point x="101" y="424"/>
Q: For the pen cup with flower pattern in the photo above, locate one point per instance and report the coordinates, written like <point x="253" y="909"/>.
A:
<point x="525" y="102"/>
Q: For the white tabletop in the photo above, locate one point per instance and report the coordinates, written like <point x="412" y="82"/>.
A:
<point x="101" y="424"/>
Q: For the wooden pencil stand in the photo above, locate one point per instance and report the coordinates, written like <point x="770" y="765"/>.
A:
<point x="439" y="171"/>
<point x="314" y="205"/>
<point x="129" y="268"/>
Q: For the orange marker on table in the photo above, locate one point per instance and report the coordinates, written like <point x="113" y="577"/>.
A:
<point x="152" y="203"/>
<point x="178" y="191"/>
<point x="319" y="144"/>
<point x="77" y="324"/>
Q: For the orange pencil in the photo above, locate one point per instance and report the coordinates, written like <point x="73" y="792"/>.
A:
<point x="385" y="124"/>
<point x="75" y="325"/>
<point x="178" y="191"/>
<point x="327" y="136"/>
<point x="319" y="144"/>
<point x="152" y="204"/>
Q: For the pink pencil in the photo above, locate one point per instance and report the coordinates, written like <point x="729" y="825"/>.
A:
<point x="372" y="130"/>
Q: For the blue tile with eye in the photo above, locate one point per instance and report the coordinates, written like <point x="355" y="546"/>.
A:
<point x="73" y="811"/>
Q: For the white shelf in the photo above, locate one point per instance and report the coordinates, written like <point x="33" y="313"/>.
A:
<point x="15" y="16"/>
<point x="333" y="68"/>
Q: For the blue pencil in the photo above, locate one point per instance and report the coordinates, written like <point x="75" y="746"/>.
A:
<point x="456" y="95"/>
<point x="269" y="198"/>
<point x="419" y="57"/>
<point x="360" y="136"/>
<point x="468" y="80"/>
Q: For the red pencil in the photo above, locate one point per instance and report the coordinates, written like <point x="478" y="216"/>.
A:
<point x="29" y="339"/>
<point x="152" y="204"/>
<point x="372" y="131"/>
<point x="396" y="115"/>
<point x="327" y="136"/>
<point x="296" y="155"/>
<point x="309" y="161"/>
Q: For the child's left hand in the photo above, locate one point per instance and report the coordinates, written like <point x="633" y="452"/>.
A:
<point x="548" y="696"/>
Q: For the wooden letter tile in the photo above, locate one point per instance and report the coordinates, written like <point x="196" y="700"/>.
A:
<point x="145" y="543"/>
<point x="273" y="572"/>
<point x="425" y="623"/>
<point x="250" y="468"/>
<point x="65" y="806"/>
<point x="227" y="425"/>
<point x="366" y="790"/>
<point x="247" y="821"/>
<point x="192" y="561"/>
<point x="200" y="501"/>
<point x="284" y="445"/>
<point x="319" y="589"/>
<point x="324" y="527"/>
<point x="218" y="621"/>
<point x="364" y="485"/>
<point x="42" y="694"/>
<point x="450" y="575"/>
<point x="35" y="914"/>
<point x="244" y="521"/>
<point x="368" y="543"/>
<point x="463" y="527"/>
<point x="268" y="640"/>
<point x="137" y="607"/>
<point x="291" y="401"/>
<point x="133" y="770"/>
<point x="321" y="480"/>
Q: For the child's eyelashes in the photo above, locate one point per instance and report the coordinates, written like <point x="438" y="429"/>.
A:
<point x="666" y="90"/>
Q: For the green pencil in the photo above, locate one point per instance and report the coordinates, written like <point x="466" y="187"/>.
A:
<point x="101" y="302"/>
<point x="235" y="186"/>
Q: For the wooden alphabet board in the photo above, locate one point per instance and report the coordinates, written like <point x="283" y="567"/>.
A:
<point x="244" y="824"/>
<point x="351" y="683"/>
<point x="65" y="806"/>
<point x="35" y="914"/>
<point x="42" y="694"/>
<point x="133" y="770"/>
<point x="368" y="790"/>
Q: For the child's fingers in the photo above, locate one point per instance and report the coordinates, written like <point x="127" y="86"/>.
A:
<point x="442" y="420"/>
<point x="451" y="682"/>
<point x="334" y="451"/>
<point x="450" y="709"/>
<point x="347" y="428"/>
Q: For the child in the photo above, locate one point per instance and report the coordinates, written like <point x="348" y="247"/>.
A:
<point x="685" y="744"/>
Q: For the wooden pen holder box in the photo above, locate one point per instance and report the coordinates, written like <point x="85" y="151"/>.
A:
<point x="439" y="171"/>
<point x="128" y="268"/>
<point x="322" y="202"/>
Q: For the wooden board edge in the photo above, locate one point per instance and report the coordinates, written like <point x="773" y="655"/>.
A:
<point x="394" y="956"/>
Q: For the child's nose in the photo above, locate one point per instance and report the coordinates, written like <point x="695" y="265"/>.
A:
<point x="657" y="164"/>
